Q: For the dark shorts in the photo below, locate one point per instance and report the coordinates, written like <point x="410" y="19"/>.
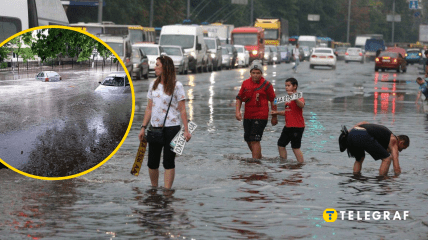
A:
<point x="253" y="129"/>
<point x="360" y="141"/>
<point x="155" y="150"/>
<point x="291" y="134"/>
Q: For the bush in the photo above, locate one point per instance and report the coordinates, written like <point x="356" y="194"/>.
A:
<point x="3" y="65"/>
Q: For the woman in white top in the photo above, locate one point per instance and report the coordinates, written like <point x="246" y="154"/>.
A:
<point x="159" y="96"/>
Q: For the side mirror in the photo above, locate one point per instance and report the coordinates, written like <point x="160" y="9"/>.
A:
<point x="99" y="82"/>
<point x="247" y="52"/>
<point x="198" y="47"/>
<point x="163" y="54"/>
<point x="219" y="47"/>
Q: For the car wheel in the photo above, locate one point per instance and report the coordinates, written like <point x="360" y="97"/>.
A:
<point x="362" y="62"/>
<point x="399" y="68"/>
<point x="146" y="76"/>
<point x="333" y="67"/>
<point x="139" y="74"/>
<point x="346" y="61"/>
<point x="383" y="69"/>
<point x="376" y="69"/>
<point x="311" y="66"/>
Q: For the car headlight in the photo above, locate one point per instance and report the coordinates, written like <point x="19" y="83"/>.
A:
<point x="212" y="55"/>
<point x="135" y="65"/>
<point x="193" y="54"/>
<point x="254" y="52"/>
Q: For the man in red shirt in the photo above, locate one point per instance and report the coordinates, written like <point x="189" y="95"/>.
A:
<point x="294" y="123"/>
<point x="255" y="92"/>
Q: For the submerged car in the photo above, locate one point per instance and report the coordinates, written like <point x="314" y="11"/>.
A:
<point x="48" y="76"/>
<point x="115" y="83"/>
<point x="322" y="57"/>
<point x="354" y="55"/>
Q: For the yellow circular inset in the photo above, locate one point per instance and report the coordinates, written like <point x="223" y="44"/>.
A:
<point x="329" y="215"/>
<point x="132" y="111"/>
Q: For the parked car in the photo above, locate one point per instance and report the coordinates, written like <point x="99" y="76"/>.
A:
<point x="390" y="60"/>
<point x="152" y="52"/>
<point x="140" y="63"/>
<point x="181" y="60"/>
<point x="48" y="76"/>
<point x="340" y="53"/>
<point x="207" y="61"/>
<point x="243" y="56"/>
<point x="284" y="54"/>
<point x="122" y="46"/>
<point x="354" y="55"/>
<point x="226" y="61"/>
<point x="214" y="48"/>
<point x="233" y="53"/>
<point x="115" y="83"/>
<point x="322" y="57"/>
<point x="413" y="56"/>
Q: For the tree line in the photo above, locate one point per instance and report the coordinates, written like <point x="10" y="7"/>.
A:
<point x="52" y="43"/>
<point x="367" y="16"/>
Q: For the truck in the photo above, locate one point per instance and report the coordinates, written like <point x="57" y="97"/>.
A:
<point x="222" y="31"/>
<point x="371" y="46"/>
<point x="276" y="30"/>
<point x="423" y="33"/>
<point x="360" y="40"/>
<point x="253" y="40"/>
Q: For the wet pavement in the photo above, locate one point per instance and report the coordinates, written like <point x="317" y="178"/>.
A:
<point x="220" y="193"/>
<point x="57" y="129"/>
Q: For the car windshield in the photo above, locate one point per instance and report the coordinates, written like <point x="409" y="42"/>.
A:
<point x="210" y="43"/>
<point x="172" y="51"/>
<point x="341" y="50"/>
<point x="117" y="47"/>
<point x="114" y="81"/>
<point x="185" y="41"/>
<point x="322" y="51"/>
<point x="310" y="44"/>
<point x="271" y="34"/>
<point x="240" y="49"/>
<point x="273" y="49"/>
<point x="229" y="48"/>
<point x="150" y="50"/>
<point x="354" y="50"/>
<point x="135" y="53"/>
<point x="413" y="52"/>
<point x="224" y="51"/>
<point x="245" y="39"/>
<point x="389" y="54"/>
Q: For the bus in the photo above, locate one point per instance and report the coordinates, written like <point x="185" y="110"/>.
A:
<point x="276" y="30"/>
<point x="253" y="40"/>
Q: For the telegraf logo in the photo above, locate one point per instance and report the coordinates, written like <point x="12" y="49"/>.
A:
<point x="331" y="215"/>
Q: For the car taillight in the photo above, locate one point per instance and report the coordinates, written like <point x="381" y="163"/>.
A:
<point x="60" y="78"/>
<point x="314" y="56"/>
<point x="346" y="53"/>
<point x="46" y="79"/>
<point x="335" y="53"/>
<point x="361" y="54"/>
<point x="377" y="60"/>
<point x="330" y="57"/>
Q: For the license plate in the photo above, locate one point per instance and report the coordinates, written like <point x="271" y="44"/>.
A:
<point x="386" y="61"/>
<point x="323" y="57"/>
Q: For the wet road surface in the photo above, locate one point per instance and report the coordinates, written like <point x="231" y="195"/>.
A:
<point x="56" y="129"/>
<point x="220" y="193"/>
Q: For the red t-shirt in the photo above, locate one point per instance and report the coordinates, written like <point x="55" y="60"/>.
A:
<point x="294" y="114"/>
<point x="256" y="97"/>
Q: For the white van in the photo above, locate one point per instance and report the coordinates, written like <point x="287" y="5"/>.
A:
<point x="309" y="41"/>
<point x="191" y="39"/>
<point x="18" y="15"/>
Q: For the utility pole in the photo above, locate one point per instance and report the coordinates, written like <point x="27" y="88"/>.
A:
<point x="251" y="13"/>
<point x="393" y="21"/>
<point x="188" y="9"/>
<point x="349" y="20"/>
<point x="151" y="13"/>
<point x="100" y="11"/>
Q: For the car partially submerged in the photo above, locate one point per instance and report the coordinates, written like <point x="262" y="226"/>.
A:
<point x="48" y="76"/>
<point x="115" y="83"/>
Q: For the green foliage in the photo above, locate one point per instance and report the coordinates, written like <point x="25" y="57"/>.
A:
<point x="3" y="65"/>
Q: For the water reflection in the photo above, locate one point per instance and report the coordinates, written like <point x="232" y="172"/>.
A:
<point x="157" y="214"/>
<point x="211" y="127"/>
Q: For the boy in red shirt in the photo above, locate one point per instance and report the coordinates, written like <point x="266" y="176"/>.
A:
<point x="256" y="93"/>
<point x="294" y="122"/>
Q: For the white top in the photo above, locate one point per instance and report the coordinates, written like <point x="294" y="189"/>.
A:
<point x="296" y="53"/>
<point x="160" y="105"/>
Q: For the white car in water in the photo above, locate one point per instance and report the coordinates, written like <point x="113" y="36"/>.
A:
<point x="115" y="83"/>
<point x="322" y="57"/>
<point x="48" y="76"/>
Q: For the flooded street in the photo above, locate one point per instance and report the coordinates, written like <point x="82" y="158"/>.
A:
<point x="57" y="129"/>
<point x="219" y="192"/>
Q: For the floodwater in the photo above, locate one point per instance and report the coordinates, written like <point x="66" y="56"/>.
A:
<point x="220" y="193"/>
<point x="57" y="129"/>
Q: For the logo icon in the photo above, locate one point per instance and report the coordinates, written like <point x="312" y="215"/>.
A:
<point x="330" y="215"/>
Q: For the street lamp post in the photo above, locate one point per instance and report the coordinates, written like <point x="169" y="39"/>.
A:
<point x="349" y="20"/>
<point x="393" y="21"/>
<point x="251" y="12"/>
